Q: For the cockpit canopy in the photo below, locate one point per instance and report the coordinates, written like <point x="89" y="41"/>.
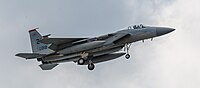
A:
<point x="136" y="26"/>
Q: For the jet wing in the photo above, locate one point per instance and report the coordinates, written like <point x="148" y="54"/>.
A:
<point x="59" y="41"/>
<point x="30" y="55"/>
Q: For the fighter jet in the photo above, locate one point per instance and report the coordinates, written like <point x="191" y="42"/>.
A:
<point x="88" y="51"/>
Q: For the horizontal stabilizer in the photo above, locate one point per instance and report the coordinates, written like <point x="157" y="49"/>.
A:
<point x="47" y="66"/>
<point x="30" y="55"/>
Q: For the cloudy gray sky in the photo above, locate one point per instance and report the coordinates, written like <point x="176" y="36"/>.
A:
<point x="170" y="61"/>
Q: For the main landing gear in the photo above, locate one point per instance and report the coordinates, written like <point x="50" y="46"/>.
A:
<point x="91" y="66"/>
<point x="82" y="60"/>
<point x="126" y="48"/>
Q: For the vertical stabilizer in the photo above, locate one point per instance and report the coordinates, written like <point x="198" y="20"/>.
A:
<point x="35" y="36"/>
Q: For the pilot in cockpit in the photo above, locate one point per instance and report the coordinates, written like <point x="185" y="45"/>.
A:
<point x="136" y="26"/>
<point x="141" y="26"/>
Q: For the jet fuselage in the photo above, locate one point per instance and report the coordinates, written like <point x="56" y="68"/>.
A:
<point x="110" y="43"/>
<point x="86" y="51"/>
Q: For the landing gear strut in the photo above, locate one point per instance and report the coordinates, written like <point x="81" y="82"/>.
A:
<point x="83" y="55"/>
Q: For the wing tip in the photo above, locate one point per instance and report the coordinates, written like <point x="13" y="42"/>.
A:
<point x="33" y="30"/>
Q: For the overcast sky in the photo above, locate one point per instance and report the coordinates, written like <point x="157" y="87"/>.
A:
<point x="169" y="61"/>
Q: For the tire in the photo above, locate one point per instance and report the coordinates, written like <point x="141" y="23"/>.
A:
<point x="91" y="66"/>
<point x="127" y="56"/>
<point x="81" y="61"/>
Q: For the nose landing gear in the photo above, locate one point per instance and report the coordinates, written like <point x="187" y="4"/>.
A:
<point x="126" y="48"/>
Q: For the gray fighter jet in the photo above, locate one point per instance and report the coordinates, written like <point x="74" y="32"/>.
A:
<point x="87" y="51"/>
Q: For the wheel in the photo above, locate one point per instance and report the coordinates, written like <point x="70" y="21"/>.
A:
<point x="81" y="61"/>
<point x="91" y="66"/>
<point x="127" y="56"/>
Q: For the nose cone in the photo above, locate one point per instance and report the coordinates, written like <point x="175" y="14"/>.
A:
<point x="162" y="31"/>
